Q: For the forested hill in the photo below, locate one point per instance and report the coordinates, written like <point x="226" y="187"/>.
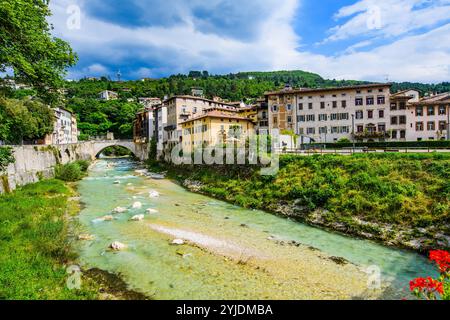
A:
<point x="237" y="86"/>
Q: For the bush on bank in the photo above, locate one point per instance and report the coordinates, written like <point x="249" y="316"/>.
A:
<point x="72" y="172"/>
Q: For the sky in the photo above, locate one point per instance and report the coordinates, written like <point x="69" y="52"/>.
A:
<point x="374" y="40"/>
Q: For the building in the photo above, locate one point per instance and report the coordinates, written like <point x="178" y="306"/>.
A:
<point x="108" y="95"/>
<point x="65" y="130"/>
<point x="182" y="108"/>
<point x="149" y="102"/>
<point x="160" y="125"/>
<point x="399" y="103"/>
<point x="215" y="127"/>
<point x="144" y="126"/>
<point x="429" y="118"/>
<point x="324" y="115"/>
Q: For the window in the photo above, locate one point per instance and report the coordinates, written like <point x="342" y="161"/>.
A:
<point x="431" y="126"/>
<point x="301" y="131"/>
<point x="394" y="134"/>
<point x="334" y="104"/>
<point x="275" y="108"/>
<point x="310" y="117"/>
<point x="333" y="116"/>
<point x="358" y="101"/>
<point x="381" y="100"/>
<point x="381" y="114"/>
<point x="343" y="116"/>
<point x="442" y="110"/>
<point x="402" y="134"/>
<point x="359" y="114"/>
<point x="334" y="96"/>
<point x="431" y="111"/>
<point x="360" y="128"/>
<point x="334" y="129"/>
<point x="195" y="110"/>
<point x="369" y="91"/>
<point x="402" y="106"/>
<point x="402" y="119"/>
<point x="310" y="130"/>
<point x="419" y="111"/>
<point x="419" y="126"/>
<point x="323" y="117"/>
<point x="300" y="118"/>
<point x="310" y="106"/>
<point x="323" y="130"/>
<point x="393" y="106"/>
<point x="322" y="105"/>
<point x="275" y="121"/>
<point x="394" y="120"/>
<point x="370" y="101"/>
<point x="380" y="90"/>
<point x="381" y="127"/>
<point x="289" y="107"/>
<point x="370" y="114"/>
<point x="358" y="91"/>
<point x="300" y="106"/>
<point x="442" y="125"/>
<point x="289" y="119"/>
<point x="344" y="104"/>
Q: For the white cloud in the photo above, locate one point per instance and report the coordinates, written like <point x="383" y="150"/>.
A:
<point x="182" y="47"/>
<point x="389" y="18"/>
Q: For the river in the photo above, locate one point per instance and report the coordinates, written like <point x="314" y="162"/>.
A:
<point x="230" y="252"/>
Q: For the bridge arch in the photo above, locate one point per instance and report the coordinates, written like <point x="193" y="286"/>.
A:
<point x="139" y="150"/>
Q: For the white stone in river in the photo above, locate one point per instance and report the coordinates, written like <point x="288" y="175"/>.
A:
<point x="153" y="194"/>
<point x="138" y="217"/>
<point x="117" y="246"/>
<point x="107" y="218"/>
<point x="150" y="211"/>
<point x="129" y="184"/>
<point x="137" y="205"/>
<point x="86" y="237"/>
<point x="117" y="182"/>
<point x="178" y="242"/>
<point x="120" y="210"/>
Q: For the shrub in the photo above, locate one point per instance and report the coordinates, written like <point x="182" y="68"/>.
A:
<point x="84" y="165"/>
<point x="69" y="172"/>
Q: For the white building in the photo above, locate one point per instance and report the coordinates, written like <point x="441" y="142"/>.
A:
<point x="160" y="125"/>
<point x="108" y="95"/>
<point x="65" y="130"/>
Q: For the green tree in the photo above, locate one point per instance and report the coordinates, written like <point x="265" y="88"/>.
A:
<point x="27" y="46"/>
<point x="6" y="158"/>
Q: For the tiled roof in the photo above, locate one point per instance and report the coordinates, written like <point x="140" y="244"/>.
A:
<point x="217" y="114"/>
<point x="311" y="90"/>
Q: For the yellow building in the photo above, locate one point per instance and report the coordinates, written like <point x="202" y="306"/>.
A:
<point x="214" y="128"/>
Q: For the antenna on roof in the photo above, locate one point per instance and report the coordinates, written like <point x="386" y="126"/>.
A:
<point x="119" y="75"/>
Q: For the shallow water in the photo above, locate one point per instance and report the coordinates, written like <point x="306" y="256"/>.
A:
<point x="232" y="253"/>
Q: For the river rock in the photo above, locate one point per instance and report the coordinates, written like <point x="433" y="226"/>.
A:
<point x="137" y="205"/>
<point x="178" y="242"/>
<point x="138" y="217"/>
<point x="117" y="182"/>
<point x="117" y="246"/>
<point x="120" y="210"/>
<point x="86" y="237"/>
<point x="153" y="194"/>
<point x="107" y="218"/>
<point x="150" y="211"/>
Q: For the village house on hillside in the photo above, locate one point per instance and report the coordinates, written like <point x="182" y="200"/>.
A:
<point x="107" y="95"/>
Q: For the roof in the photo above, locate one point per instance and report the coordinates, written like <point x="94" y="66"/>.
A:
<point x="217" y="114"/>
<point x="198" y="98"/>
<point x="312" y="90"/>
<point x="436" y="99"/>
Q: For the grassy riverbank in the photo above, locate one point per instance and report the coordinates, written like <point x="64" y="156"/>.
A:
<point x="35" y="250"/>
<point x="399" y="199"/>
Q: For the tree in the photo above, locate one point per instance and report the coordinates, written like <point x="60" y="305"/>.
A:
<point x="6" y="158"/>
<point x="28" y="48"/>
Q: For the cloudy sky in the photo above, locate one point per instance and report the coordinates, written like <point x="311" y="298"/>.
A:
<point x="398" y="40"/>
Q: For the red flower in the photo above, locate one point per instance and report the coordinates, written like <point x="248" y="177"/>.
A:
<point x="429" y="285"/>
<point x="442" y="258"/>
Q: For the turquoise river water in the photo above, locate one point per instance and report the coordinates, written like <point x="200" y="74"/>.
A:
<point x="229" y="252"/>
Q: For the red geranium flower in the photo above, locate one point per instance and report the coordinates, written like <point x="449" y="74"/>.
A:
<point x="442" y="258"/>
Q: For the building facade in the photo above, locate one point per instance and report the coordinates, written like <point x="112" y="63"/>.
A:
<point x="65" y="130"/>
<point x="327" y="115"/>
<point x="216" y="127"/>
<point x="429" y="118"/>
<point x="107" y="95"/>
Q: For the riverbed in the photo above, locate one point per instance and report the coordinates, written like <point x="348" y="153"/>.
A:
<point x="229" y="252"/>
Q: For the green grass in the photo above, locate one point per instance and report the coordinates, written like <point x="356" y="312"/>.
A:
<point x="406" y="190"/>
<point x="34" y="245"/>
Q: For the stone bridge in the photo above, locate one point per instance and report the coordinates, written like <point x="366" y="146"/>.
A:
<point x="140" y="150"/>
<point x="34" y="162"/>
